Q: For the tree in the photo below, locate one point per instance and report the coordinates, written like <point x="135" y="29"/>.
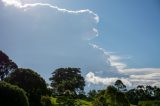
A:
<point x="67" y="79"/>
<point x="120" y="86"/>
<point x="12" y="95"/>
<point x="141" y="93"/>
<point x="157" y="92"/>
<point x="31" y="82"/>
<point x="92" y="94"/>
<point x="111" y="97"/>
<point x="67" y="83"/>
<point x="6" y="65"/>
<point x="133" y="96"/>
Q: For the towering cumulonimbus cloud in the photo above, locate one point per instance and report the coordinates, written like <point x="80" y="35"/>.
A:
<point x="44" y="37"/>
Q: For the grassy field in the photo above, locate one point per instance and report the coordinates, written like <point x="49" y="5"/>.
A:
<point x="79" y="101"/>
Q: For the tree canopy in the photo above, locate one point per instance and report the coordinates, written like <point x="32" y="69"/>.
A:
<point x="120" y="86"/>
<point x="67" y="79"/>
<point x="111" y="97"/>
<point x="6" y="65"/>
<point x="12" y="95"/>
<point x="31" y="82"/>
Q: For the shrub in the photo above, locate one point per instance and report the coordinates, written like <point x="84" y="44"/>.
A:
<point x="12" y="95"/>
<point x="46" y="101"/>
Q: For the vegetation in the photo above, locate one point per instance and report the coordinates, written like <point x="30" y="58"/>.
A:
<point x="67" y="80"/>
<point x="149" y="103"/>
<point x="31" y="82"/>
<point x="6" y="65"/>
<point x="28" y="88"/>
<point x="111" y="97"/>
<point x="67" y="83"/>
<point x="120" y="86"/>
<point x="46" y="101"/>
<point x="12" y="95"/>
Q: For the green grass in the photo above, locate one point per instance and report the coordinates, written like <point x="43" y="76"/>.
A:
<point x="132" y="105"/>
<point x="53" y="101"/>
<point x="84" y="102"/>
<point x="78" y="101"/>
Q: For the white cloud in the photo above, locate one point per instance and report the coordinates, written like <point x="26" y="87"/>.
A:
<point x="136" y="76"/>
<point x="140" y="70"/>
<point x="18" y="4"/>
<point x="114" y="60"/>
<point x="152" y="76"/>
<point x="90" y="77"/>
<point x="45" y="37"/>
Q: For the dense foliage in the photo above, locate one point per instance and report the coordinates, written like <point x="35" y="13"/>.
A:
<point x="67" y="83"/>
<point x="31" y="82"/>
<point x="46" y="101"/>
<point x="111" y="97"/>
<point x="6" y="65"/>
<point x="12" y="95"/>
<point x="66" y="80"/>
<point x="143" y="93"/>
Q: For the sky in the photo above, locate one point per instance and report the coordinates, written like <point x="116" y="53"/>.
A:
<point x="107" y="39"/>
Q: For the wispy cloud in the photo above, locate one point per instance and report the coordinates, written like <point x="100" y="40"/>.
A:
<point x="18" y="4"/>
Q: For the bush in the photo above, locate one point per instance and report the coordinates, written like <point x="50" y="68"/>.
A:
<point x="12" y="95"/>
<point x="46" y="101"/>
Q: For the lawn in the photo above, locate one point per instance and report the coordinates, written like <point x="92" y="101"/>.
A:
<point x="79" y="101"/>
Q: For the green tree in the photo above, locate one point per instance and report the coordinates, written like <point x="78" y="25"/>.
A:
<point x="67" y="79"/>
<point x="31" y="82"/>
<point x="67" y="83"/>
<point x="92" y="94"/>
<point x="6" y="65"/>
<point x="12" y="95"/>
<point x="111" y="97"/>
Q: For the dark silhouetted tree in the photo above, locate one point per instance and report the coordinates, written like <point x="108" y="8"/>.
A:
<point x="11" y="95"/>
<point x="120" y="86"/>
<point x="6" y="65"/>
<point x="31" y="82"/>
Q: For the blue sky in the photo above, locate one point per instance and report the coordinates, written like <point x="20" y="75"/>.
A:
<point x="107" y="39"/>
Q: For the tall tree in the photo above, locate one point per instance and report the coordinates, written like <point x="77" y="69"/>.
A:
<point x="67" y="79"/>
<point x="6" y="65"/>
<point x="120" y="86"/>
<point x="31" y="82"/>
<point x="67" y="83"/>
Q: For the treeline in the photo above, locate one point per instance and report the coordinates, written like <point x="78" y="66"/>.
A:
<point x="25" y="87"/>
